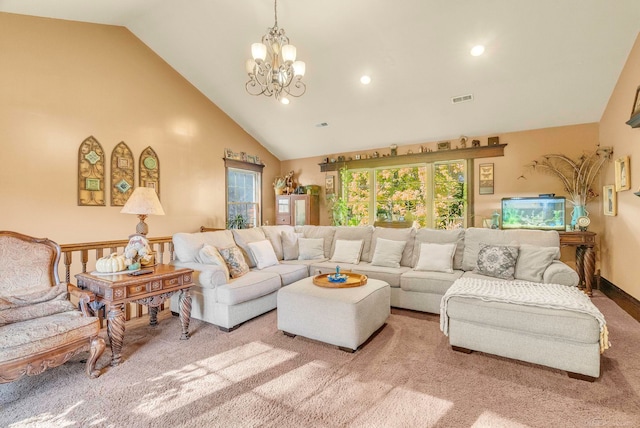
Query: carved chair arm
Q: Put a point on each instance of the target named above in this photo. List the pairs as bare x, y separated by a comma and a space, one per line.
86, 300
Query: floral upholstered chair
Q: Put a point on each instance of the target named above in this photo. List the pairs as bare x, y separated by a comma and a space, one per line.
39, 327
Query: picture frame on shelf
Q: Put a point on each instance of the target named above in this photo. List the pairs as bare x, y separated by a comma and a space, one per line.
485, 174
622, 174
444, 145
609, 200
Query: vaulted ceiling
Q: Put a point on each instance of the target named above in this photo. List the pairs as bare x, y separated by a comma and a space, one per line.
547, 63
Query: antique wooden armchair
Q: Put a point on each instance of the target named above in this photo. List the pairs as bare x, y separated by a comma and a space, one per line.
39, 327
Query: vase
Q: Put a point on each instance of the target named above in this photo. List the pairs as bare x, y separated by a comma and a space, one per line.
578, 211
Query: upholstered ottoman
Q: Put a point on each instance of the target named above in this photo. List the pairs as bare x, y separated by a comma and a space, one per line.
345, 317
549, 324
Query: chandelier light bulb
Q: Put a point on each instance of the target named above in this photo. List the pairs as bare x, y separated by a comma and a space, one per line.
289, 53
299, 68
258, 51
365, 80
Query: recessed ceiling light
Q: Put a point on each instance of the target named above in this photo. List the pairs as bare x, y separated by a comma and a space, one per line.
284, 100
365, 80
477, 50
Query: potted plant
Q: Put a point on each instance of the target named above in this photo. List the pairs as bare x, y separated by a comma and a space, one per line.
237, 222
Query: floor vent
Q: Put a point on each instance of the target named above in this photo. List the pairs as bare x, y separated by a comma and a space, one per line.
462, 99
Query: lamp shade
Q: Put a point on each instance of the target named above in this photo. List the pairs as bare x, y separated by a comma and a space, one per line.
143, 200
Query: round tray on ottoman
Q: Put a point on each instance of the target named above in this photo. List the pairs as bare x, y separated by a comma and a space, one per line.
352, 280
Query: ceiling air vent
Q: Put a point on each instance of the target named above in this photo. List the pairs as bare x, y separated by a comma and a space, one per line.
462, 99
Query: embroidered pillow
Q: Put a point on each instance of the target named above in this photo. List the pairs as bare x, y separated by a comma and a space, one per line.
533, 261
436, 257
347, 251
310, 248
209, 255
235, 261
498, 261
388, 253
263, 254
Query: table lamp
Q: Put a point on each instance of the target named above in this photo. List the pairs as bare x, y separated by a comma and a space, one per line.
143, 202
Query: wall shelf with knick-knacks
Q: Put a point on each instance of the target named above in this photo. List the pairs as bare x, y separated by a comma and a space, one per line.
433, 156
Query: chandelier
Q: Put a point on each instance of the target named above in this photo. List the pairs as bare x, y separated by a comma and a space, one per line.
273, 70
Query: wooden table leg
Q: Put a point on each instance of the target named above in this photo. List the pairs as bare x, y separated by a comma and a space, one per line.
115, 331
185, 312
580, 250
153, 315
589, 269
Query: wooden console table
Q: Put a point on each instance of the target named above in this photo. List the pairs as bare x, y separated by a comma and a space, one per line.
585, 255
115, 291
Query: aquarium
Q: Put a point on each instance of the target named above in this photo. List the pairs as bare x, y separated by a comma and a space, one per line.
533, 213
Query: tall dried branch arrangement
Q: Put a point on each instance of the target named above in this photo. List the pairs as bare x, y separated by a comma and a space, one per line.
577, 176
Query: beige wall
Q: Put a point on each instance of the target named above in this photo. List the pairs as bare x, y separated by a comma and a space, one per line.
63, 81
621, 245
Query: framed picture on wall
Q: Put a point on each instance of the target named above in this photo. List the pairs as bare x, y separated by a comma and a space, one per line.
609, 200
329, 185
485, 173
623, 178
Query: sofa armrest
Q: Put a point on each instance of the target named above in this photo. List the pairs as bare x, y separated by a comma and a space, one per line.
205, 275
559, 273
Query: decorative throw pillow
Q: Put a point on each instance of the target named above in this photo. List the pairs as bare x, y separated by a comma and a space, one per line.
263, 254
347, 251
310, 248
533, 261
209, 255
498, 261
388, 253
436, 257
235, 261
290, 245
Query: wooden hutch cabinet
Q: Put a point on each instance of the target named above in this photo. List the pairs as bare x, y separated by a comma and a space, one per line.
297, 210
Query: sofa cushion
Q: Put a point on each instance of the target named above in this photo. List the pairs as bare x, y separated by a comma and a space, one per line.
262, 252
428, 282
533, 261
436, 257
395, 234
324, 232
209, 255
347, 251
310, 248
474, 236
235, 261
440, 236
248, 287
273, 234
186, 246
354, 233
498, 261
29, 337
243, 237
36, 310
387, 274
388, 253
289, 273
24, 268
290, 245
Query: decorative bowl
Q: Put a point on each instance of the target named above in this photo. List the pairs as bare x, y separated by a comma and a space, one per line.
337, 278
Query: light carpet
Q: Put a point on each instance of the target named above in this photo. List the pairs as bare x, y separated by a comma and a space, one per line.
406, 376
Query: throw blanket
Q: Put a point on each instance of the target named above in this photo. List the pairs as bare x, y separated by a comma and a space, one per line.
554, 296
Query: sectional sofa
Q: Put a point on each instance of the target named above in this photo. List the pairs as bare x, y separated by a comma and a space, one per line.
418, 279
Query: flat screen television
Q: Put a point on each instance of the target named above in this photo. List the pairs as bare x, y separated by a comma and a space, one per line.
533, 213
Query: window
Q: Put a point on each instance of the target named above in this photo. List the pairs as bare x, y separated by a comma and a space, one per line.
432, 194
243, 196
